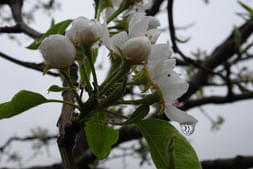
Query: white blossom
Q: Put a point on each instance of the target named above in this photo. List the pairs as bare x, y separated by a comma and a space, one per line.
137, 49
58, 51
139, 31
83, 31
171, 86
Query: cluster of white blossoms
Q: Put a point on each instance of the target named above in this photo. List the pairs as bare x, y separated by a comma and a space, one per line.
137, 45
59, 51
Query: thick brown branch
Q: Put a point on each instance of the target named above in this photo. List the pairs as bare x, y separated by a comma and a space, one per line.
30, 65
67, 131
216, 100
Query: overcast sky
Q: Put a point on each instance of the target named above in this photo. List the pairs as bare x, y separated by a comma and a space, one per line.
212, 23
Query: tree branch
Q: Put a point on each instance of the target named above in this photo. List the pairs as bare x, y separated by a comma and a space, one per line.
10, 29
155, 8
176, 49
21, 26
30, 138
34, 66
216, 100
220, 54
239, 162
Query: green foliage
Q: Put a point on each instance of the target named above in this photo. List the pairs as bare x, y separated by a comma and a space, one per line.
168, 148
138, 114
21, 102
58, 28
100, 137
116, 94
55, 88
247, 8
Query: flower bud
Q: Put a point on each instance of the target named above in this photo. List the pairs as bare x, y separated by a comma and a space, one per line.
137, 49
83, 31
58, 51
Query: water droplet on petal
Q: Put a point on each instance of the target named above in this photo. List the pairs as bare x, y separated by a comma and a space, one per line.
187, 129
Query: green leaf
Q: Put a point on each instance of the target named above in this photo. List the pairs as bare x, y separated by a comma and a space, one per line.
138, 114
55, 88
168, 148
87, 64
100, 137
21, 102
58, 28
247, 8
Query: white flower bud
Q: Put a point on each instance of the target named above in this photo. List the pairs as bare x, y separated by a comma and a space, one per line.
58, 51
137, 49
83, 31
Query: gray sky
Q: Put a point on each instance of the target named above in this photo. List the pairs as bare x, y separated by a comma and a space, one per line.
213, 23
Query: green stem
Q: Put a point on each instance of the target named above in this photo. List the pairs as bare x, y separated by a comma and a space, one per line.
86, 78
147, 100
116, 114
122, 7
109, 77
115, 123
61, 101
124, 69
69, 82
93, 71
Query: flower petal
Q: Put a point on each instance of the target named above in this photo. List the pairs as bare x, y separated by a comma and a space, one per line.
172, 86
138, 26
118, 40
105, 36
159, 53
179, 116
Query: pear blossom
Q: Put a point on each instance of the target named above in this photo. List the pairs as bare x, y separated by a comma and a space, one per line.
57, 51
137, 49
83, 31
168, 82
138, 40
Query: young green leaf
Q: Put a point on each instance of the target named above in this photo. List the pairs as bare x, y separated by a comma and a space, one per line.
246, 7
168, 148
100, 138
58, 28
138, 114
21, 102
55, 88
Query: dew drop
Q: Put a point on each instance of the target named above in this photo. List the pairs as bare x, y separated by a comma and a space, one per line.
187, 129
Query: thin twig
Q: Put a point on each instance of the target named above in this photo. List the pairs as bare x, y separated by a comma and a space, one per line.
35, 66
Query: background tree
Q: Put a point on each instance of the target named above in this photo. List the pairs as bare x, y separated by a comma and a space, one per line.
226, 67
